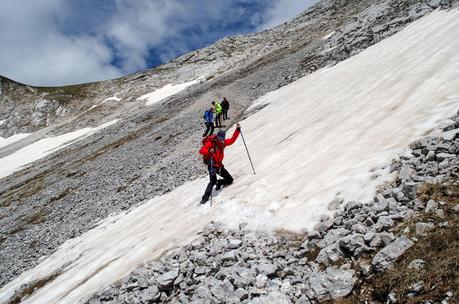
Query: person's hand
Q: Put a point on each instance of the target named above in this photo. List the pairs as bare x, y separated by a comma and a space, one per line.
211, 151
238, 127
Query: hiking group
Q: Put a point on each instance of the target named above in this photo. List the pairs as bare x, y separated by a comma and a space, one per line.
213, 146
221, 113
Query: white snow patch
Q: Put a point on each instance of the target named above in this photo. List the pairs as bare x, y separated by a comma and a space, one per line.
114, 98
327, 36
324, 134
92, 107
2, 122
166, 91
39, 149
13, 138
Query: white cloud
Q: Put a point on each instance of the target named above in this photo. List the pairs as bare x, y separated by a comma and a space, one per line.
55, 42
284, 10
35, 51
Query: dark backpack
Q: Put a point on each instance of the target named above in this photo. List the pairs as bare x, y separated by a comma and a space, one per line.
209, 138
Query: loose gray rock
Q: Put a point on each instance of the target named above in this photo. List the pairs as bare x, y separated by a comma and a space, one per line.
376, 242
389, 254
261, 281
423, 228
229, 256
417, 264
165, 281
368, 237
333, 283
352, 205
359, 228
416, 288
440, 213
387, 237
405, 173
443, 156
329, 254
241, 294
233, 244
350, 243
384, 223
149, 295
272, 297
409, 190
266, 269
365, 268
456, 208
431, 206
335, 203
380, 206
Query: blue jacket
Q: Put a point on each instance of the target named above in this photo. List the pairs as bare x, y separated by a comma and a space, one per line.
208, 116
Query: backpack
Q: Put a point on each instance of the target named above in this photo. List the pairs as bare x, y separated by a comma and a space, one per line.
209, 138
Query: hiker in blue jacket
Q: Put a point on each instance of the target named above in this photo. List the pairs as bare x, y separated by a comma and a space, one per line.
209, 121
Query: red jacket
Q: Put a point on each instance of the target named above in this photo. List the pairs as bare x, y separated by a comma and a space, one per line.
219, 147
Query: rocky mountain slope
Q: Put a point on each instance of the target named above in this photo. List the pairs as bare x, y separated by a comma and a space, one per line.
151, 150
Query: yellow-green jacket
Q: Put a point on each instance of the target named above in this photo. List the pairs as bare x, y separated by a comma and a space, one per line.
218, 108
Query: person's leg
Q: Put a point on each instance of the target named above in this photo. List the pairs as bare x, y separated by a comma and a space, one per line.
210, 185
216, 120
220, 119
224, 114
207, 129
211, 128
227, 178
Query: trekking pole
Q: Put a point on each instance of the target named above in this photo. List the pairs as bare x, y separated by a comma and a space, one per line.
248, 154
211, 157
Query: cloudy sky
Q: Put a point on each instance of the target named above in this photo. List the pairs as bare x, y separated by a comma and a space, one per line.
59, 42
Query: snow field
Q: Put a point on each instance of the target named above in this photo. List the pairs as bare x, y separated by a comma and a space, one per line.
39, 149
166, 91
12, 139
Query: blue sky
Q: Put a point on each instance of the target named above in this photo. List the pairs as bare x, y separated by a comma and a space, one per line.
59, 42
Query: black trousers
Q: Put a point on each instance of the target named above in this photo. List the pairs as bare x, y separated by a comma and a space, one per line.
209, 126
213, 171
225, 114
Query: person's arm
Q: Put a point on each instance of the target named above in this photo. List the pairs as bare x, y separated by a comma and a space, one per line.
206, 149
230, 141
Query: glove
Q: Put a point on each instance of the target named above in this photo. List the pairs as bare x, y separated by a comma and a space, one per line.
238, 127
211, 151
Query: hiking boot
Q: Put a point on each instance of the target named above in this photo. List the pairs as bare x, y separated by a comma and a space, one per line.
218, 187
203, 201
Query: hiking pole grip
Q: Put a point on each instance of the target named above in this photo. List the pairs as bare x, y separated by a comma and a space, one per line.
248, 154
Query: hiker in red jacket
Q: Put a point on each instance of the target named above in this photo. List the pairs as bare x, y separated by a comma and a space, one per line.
214, 149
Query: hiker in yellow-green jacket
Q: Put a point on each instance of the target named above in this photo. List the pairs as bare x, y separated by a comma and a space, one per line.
218, 114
